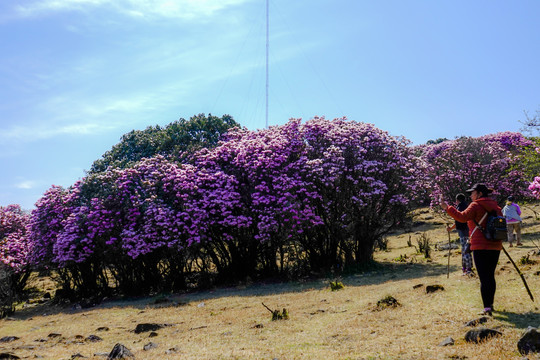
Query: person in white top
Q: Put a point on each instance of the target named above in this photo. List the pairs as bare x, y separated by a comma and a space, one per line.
512, 214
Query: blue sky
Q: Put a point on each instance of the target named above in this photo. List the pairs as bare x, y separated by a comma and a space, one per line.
78, 74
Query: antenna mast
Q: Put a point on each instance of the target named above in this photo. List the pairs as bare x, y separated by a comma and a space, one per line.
267, 51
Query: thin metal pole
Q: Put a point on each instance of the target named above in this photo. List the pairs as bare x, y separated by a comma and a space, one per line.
267, 51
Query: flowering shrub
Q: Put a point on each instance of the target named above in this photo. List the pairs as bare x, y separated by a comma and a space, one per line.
125, 224
316, 195
46, 222
14, 245
261, 199
361, 182
296, 197
14, 249
335, 187
454, 165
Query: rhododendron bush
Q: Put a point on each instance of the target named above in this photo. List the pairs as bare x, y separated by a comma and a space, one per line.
453, 166
290, 199
13, 241
295, 197
14, 249
362, 181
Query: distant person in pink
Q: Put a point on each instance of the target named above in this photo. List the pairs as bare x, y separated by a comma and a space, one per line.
512, 213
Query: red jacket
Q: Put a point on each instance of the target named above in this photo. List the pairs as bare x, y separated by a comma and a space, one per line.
474, 212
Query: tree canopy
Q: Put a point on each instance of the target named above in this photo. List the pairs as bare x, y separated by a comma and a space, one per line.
175, 141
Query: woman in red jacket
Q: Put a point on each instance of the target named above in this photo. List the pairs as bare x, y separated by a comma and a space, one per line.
485, 252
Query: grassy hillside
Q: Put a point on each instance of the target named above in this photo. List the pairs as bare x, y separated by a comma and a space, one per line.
232, 323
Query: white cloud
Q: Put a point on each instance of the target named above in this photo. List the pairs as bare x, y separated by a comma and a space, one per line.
99, 114
31, 133
26, 184
182, 9
37, 8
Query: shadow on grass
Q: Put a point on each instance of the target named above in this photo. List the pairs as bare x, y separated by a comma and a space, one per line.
532, 240
390, 271
378, 273
519, 320
419, 227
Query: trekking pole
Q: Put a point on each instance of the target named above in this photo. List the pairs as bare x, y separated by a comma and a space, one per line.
520, 274
448, 266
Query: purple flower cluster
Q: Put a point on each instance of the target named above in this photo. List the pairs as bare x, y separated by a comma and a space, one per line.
511, 141
534, 187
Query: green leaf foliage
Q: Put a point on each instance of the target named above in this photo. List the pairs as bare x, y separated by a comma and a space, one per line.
176, 141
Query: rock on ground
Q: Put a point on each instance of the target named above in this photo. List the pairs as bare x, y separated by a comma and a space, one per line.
119, 351
529, 341
481, 334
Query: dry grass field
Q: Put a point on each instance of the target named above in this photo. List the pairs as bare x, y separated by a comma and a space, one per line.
232, 323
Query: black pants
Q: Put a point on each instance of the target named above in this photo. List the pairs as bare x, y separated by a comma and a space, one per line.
486, 262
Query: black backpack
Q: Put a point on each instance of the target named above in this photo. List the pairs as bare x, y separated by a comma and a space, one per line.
495, 229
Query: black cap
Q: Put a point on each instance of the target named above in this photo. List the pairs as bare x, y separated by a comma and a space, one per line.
480, 188
510, 198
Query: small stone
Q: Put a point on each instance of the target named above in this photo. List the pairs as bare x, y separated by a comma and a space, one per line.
172, 350
93, 338
153, 334
446, 342
8, 339
433, 288
119, 351
102, 328
149, 346
147, 327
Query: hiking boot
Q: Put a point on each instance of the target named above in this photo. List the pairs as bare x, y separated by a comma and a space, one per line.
487, 311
